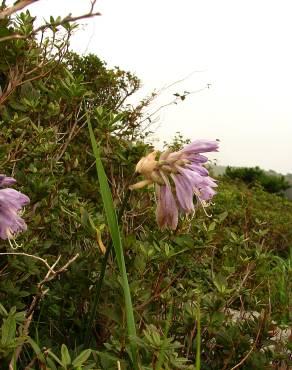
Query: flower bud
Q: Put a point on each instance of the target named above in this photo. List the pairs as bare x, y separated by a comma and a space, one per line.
147, 164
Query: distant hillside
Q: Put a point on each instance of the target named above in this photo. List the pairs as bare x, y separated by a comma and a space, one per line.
288, 193
220, 170
288, 177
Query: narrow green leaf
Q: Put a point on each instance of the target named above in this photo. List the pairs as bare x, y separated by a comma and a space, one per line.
8, 330
55, 357
65, 356
3, 311
107, 200
51, 364
81, 358
198, 340
37, 350
112, 221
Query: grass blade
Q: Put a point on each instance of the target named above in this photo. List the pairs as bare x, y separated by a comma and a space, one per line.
198, 339
113, 226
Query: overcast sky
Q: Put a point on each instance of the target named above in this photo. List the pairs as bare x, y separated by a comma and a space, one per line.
242, 48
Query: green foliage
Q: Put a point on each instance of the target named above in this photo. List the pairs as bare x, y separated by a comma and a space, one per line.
253, 176
210, 294
10, 321
177, 142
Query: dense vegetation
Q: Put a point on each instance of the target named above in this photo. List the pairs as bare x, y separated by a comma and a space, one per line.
222, 282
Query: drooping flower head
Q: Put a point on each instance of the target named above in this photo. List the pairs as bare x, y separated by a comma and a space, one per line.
179, 177
11, 202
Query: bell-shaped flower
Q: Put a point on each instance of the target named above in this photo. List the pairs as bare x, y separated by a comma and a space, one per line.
179, 178
11, 203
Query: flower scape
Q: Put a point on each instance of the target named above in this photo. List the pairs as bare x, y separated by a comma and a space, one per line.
11, 203
179, 177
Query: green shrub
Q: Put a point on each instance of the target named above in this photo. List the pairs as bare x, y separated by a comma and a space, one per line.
254, 175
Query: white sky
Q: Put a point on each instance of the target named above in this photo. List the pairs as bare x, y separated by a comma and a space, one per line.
242, 47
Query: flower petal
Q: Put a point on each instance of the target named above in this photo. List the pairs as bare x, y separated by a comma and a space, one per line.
195, 158
209, 182
13, 198
184, 192
11, 201
166, 211
194, 177
10, 223
6, 181
207, 193
198, 168
201, 146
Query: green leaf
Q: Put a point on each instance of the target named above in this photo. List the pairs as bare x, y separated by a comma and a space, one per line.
3, 311
66, 359
81, 358
8, 330
222, 216
212, 226
37, 350
51, 364
55, 357
112, 221
4, 32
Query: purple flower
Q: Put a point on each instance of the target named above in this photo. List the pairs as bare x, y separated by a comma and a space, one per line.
178, 177
166, 211
6, 181
11, 202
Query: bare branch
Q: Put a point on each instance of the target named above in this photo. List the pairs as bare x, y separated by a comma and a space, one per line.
67, 19
31, 256
50, 277
15, 8
174, 101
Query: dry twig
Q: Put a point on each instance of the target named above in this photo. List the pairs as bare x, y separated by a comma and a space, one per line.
31, 256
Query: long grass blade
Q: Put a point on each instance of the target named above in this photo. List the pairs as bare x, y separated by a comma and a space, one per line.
113, 226
198, 340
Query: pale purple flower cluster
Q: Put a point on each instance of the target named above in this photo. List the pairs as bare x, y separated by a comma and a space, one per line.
11, 202
178, 178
